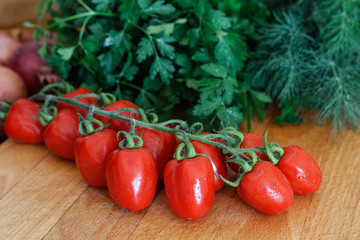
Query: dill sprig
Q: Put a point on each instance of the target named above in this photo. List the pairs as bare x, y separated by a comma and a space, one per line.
310, 59
339, 27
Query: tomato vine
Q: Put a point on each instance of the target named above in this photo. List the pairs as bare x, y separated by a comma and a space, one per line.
137, 151
229, 138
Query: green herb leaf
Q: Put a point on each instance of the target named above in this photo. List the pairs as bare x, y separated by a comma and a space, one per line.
145, 50
102, 5
164, 68
66, 53
166, 28
144, 3
230, 116
218, 20
215, 69
159, 8
230, 51
165, 49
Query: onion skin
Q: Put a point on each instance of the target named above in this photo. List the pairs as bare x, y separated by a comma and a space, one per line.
32, 68
12, 87
8, 47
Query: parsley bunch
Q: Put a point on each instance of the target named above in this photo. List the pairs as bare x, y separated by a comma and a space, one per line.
161, 54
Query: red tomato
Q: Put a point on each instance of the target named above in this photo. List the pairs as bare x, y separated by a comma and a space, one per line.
251, 140
160, 145
91, 153
86, 100
217, 160
61, 133
301, 170
118, 125
189, 186
266, 189
131, 176
20, 124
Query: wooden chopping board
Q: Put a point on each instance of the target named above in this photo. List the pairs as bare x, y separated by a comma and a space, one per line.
44, 197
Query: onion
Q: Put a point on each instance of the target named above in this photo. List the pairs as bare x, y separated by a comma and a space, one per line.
8, 47
32, 68
12, 87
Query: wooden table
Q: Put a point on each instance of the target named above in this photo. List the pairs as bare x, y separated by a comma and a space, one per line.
44, 197
13, 13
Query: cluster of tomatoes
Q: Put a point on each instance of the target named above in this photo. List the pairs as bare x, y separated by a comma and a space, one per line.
131, 173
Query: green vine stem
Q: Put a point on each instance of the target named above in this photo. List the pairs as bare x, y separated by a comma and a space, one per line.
274, 151
46, 115
229, 139
129, 141
185, 149
106, 99
4, 109
81, 15
86, 126
59, 88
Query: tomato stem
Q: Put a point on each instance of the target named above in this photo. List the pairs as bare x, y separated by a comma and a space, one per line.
86, 126
129, 141
228, 139
106, 99
185, 150
272, 149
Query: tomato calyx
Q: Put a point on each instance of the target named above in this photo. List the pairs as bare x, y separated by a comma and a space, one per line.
105, 99
86, 125
231, 137
46, 115
185, 150
273, 150
147, 117
130, 141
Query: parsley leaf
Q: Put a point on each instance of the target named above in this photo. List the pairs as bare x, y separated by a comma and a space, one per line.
159, 8
218, 20
230, 51
164, 68
215, 69
145, 50
165, 49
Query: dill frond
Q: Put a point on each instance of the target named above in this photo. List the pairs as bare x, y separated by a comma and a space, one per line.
286, 67
335, 90
339, 26
307, 67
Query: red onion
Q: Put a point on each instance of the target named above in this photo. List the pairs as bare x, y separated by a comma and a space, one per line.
32, 68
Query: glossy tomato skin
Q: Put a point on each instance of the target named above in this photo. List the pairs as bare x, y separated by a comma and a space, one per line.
160, 145
91, 153
251, 140
131, 176
118, 125
20, 124
217, 160
86, 100
216, 157
301, 170
266, 189
61, 133
189, 186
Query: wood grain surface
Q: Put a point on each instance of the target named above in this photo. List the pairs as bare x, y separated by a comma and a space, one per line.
44, 197
13, 13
